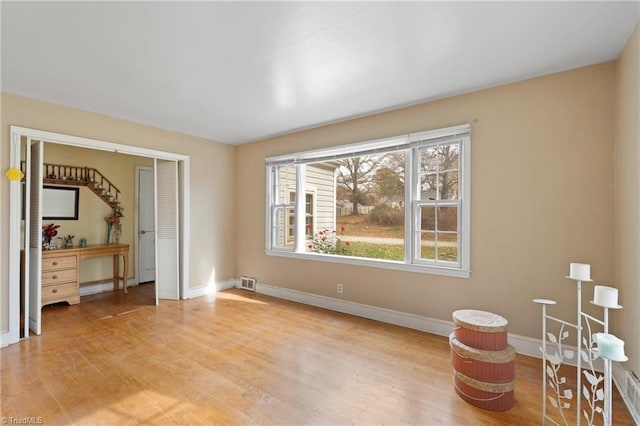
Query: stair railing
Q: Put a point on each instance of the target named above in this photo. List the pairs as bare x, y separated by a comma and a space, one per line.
60, 174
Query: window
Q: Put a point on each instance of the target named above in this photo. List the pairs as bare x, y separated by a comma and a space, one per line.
438, 202
401, 202
308, 208
284, 179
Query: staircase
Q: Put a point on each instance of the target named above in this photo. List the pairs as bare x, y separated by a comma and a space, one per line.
59, 174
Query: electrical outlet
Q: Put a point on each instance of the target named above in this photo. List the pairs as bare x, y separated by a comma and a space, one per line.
339, 288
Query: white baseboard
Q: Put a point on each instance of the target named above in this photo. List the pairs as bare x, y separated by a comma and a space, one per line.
206, 289
103, 287
6, 339
107, 285
417, 322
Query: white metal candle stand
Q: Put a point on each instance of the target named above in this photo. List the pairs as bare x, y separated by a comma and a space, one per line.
549, 372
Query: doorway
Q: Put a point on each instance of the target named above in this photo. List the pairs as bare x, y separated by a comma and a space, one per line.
16, 236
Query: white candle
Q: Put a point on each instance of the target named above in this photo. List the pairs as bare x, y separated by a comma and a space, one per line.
605, 296
580, 271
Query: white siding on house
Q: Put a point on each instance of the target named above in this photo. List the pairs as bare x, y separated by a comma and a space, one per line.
321, 182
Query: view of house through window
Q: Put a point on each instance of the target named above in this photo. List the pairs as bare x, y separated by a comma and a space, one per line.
400, 205
365, 215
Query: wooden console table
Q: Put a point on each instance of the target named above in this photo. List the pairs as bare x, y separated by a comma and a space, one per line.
115, 250
60, 270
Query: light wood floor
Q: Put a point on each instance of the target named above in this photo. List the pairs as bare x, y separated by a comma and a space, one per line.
241, 358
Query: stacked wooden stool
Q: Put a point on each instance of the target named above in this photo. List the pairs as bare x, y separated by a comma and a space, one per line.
482, 359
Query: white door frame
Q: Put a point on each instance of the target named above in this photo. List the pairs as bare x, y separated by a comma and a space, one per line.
15, 207
15, 217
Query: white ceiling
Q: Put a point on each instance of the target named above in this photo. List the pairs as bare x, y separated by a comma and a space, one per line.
237, 71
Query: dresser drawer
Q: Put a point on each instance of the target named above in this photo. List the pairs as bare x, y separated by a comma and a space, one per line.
55, 263
58, 277
60, 291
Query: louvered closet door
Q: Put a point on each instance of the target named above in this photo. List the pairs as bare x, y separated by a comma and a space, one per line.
34, 194
167, 221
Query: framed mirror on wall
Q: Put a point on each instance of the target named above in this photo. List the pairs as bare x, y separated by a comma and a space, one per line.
60, 203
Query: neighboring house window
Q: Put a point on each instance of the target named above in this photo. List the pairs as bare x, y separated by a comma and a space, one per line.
291, 219
308, 203
308, 217
400, 202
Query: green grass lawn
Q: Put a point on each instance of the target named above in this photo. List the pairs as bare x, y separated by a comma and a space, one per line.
356, 226
396, 252
376, 251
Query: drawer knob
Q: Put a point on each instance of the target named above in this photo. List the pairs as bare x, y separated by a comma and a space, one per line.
55, 290
55, 263
55, 277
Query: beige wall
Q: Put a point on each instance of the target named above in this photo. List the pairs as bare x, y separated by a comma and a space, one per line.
120, 170
212, 187
542, 197
627, 162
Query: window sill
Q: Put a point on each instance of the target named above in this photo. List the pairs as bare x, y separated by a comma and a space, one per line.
373, 263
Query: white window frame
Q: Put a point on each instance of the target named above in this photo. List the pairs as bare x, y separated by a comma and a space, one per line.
410, 144
312, 214
272, 226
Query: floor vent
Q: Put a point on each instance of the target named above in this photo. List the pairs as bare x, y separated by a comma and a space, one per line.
247, 283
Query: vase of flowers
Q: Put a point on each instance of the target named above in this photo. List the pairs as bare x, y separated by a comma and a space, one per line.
49, 231
114, 226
